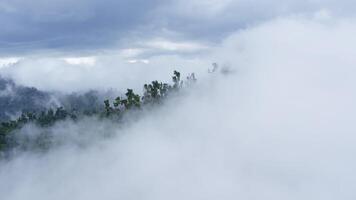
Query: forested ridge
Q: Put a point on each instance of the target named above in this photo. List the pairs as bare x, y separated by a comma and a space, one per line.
75, 108
15, 98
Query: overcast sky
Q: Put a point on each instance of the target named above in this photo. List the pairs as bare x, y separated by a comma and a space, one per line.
87, 26
140, 39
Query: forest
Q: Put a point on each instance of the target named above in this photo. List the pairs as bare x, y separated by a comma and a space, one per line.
30, 104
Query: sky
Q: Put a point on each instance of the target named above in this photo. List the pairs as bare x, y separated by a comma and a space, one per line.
280, 125
88, 26
92, 39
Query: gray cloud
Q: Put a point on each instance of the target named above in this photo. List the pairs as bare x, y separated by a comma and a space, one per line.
81, 26
68, 24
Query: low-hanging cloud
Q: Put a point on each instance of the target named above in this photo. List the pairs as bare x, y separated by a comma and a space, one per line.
109, 72
279, 127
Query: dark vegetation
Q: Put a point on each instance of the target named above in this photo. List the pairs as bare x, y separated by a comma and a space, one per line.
14, 99
77, 107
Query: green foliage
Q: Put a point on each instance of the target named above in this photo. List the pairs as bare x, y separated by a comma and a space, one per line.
133, 100
154, 93
108, 109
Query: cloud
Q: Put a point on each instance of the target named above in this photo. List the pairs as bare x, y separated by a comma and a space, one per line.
8, 61
80, 60
68, 25
157, 58
87, 26
280, 127
109, 71
174, 46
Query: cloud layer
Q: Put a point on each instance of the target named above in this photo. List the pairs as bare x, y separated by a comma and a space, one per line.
90, 25
279, 127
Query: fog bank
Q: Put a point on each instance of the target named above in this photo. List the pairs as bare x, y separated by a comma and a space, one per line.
280, 126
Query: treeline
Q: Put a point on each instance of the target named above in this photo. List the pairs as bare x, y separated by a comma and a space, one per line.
154, 93
15, 98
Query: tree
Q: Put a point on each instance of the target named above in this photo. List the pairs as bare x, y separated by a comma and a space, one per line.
132, 100
154, 93
176, 80
60, 114
108, 108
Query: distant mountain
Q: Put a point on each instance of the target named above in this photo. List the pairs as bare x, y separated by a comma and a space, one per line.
14, 99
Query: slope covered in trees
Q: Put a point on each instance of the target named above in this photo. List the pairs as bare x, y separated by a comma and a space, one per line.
15, 99
154, 93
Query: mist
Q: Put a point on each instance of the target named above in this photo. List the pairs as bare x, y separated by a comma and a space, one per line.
279, 125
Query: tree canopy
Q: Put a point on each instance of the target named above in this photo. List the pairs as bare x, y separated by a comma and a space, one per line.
154, 93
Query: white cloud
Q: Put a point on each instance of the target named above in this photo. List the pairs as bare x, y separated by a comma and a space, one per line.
323, 15
5, 62
281, 127
109, 71
167, 45
132, 52
81, 60
144, 61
